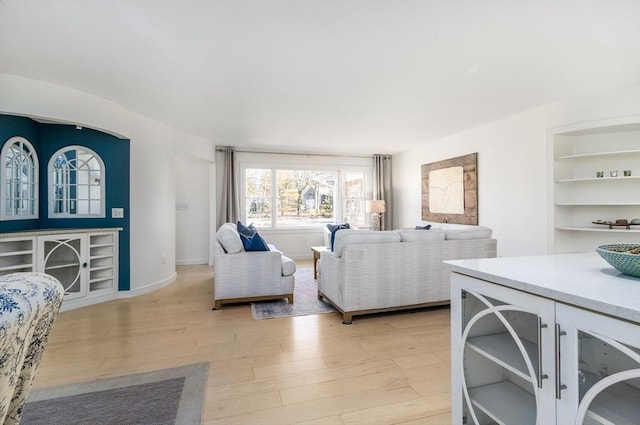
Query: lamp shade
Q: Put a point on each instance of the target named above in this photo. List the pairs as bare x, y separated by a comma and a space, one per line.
375, 206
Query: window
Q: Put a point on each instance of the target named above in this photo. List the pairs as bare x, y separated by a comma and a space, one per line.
77, 183
19, 180
285, 198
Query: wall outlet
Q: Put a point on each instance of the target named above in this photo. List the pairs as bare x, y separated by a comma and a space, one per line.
117, 212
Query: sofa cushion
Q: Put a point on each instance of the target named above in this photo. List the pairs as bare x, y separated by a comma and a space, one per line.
229, 238
421, 235
250, 238
333, 228
474, 232
352, 236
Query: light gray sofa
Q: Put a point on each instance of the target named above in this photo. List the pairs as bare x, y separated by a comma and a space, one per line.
372, 271
242, 276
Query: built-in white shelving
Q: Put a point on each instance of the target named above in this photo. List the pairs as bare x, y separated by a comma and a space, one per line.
594, 175
85, 261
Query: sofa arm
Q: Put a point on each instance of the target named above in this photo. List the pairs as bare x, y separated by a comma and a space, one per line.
329, 276
235, 274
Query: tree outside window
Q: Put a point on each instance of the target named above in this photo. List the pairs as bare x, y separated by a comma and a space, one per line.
286, 198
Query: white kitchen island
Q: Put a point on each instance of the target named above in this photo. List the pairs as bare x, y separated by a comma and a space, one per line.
544, 340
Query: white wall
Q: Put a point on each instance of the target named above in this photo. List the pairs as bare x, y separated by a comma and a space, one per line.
192, 210
153, 148
512, 167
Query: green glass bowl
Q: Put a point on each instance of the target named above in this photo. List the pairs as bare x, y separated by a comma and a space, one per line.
616, 255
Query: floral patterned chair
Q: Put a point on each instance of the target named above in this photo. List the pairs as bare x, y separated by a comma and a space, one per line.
29, 303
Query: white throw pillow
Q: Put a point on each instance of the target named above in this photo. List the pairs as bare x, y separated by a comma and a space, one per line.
229, 238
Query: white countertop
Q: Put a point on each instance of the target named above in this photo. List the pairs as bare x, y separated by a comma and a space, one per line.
40, 232
582, 280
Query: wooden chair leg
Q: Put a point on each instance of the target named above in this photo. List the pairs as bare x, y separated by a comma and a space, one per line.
347, 319
290, 298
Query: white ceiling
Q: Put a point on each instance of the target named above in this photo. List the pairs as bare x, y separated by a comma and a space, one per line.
341, 76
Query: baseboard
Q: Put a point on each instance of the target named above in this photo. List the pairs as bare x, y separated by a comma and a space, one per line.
193, 262
148, 288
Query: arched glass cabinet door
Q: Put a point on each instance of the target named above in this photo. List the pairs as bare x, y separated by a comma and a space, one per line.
77, 183
501, 347
600, 368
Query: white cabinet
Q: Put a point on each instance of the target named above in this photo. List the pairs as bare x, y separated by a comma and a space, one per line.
85, 261
519, 358
595, 176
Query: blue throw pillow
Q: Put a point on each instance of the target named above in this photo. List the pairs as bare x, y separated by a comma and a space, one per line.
427, 227
333, 228
250, 238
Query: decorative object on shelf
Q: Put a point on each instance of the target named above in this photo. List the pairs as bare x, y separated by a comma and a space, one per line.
635, 221
623, 257
599, 174
618, 223
376, 208
613, 173
627, 173
450, 190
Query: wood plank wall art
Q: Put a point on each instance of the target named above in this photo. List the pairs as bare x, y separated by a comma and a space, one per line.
450, 190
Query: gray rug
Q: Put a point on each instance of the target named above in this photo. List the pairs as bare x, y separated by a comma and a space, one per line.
305, 300
164, 397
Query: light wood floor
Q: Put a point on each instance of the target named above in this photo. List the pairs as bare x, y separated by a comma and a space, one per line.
384, 369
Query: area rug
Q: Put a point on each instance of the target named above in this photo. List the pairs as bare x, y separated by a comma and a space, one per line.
165, 397
305, 300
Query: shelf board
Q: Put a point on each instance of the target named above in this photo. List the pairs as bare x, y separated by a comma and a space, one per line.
600, 154
502, 349
100, 245
98, 268
505, 403
589, 179
617, 404
16, 267
12, 253
61, 266
98, 257
605, 229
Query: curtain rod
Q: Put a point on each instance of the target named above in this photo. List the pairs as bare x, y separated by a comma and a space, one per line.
299, 153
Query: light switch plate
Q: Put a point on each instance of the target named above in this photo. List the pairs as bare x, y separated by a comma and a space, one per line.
117, 212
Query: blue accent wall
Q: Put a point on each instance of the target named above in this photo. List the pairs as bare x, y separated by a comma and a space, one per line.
115, 153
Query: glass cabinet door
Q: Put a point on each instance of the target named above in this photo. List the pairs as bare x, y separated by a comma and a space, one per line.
504, 364
600, 361
63, 258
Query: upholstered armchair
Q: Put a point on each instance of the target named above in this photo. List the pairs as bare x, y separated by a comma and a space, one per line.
243, 276
29, 303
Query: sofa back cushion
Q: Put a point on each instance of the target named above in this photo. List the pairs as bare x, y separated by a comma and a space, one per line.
333, 228
474, 232
229, 238
352, 236
421, 235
